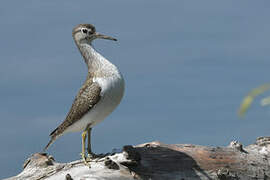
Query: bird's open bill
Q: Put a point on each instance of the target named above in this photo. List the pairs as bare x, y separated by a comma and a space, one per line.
102, 36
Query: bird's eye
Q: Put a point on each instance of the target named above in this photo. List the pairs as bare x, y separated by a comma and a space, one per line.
84, 31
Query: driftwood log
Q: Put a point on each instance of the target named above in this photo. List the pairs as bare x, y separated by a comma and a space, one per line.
158, 161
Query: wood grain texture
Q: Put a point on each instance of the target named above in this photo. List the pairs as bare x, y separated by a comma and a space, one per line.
158, 161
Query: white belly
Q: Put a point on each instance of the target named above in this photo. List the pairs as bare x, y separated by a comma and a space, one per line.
112, 90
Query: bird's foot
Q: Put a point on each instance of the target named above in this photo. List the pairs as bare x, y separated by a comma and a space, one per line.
95, 157
85, 160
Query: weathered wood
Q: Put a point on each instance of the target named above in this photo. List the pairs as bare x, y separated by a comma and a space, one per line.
158, 161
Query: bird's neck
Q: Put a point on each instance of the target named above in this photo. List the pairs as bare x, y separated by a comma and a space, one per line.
97, 64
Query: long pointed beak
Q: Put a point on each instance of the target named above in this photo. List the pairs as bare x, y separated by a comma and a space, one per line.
102, 36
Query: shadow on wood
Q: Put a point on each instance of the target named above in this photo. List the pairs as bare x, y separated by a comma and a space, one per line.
158, 161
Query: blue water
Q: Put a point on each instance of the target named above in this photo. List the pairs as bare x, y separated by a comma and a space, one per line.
187, 66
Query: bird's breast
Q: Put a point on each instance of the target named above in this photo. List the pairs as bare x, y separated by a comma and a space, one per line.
112, 91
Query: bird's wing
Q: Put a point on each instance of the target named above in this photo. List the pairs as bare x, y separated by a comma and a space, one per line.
87, 98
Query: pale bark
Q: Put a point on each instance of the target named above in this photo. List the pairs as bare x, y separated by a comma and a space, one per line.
158, 161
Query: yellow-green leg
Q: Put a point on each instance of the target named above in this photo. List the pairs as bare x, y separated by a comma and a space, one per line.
83, 148
89, 148
90, 154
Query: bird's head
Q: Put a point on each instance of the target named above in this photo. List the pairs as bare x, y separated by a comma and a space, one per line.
86, 33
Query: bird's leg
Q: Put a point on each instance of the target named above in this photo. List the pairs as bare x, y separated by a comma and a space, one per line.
90, 154
83, 148
89, 149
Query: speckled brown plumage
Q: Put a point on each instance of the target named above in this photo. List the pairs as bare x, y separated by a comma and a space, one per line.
87, 97
104, 79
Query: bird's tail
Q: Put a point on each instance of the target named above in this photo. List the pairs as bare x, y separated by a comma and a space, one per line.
50, 142
53, 136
